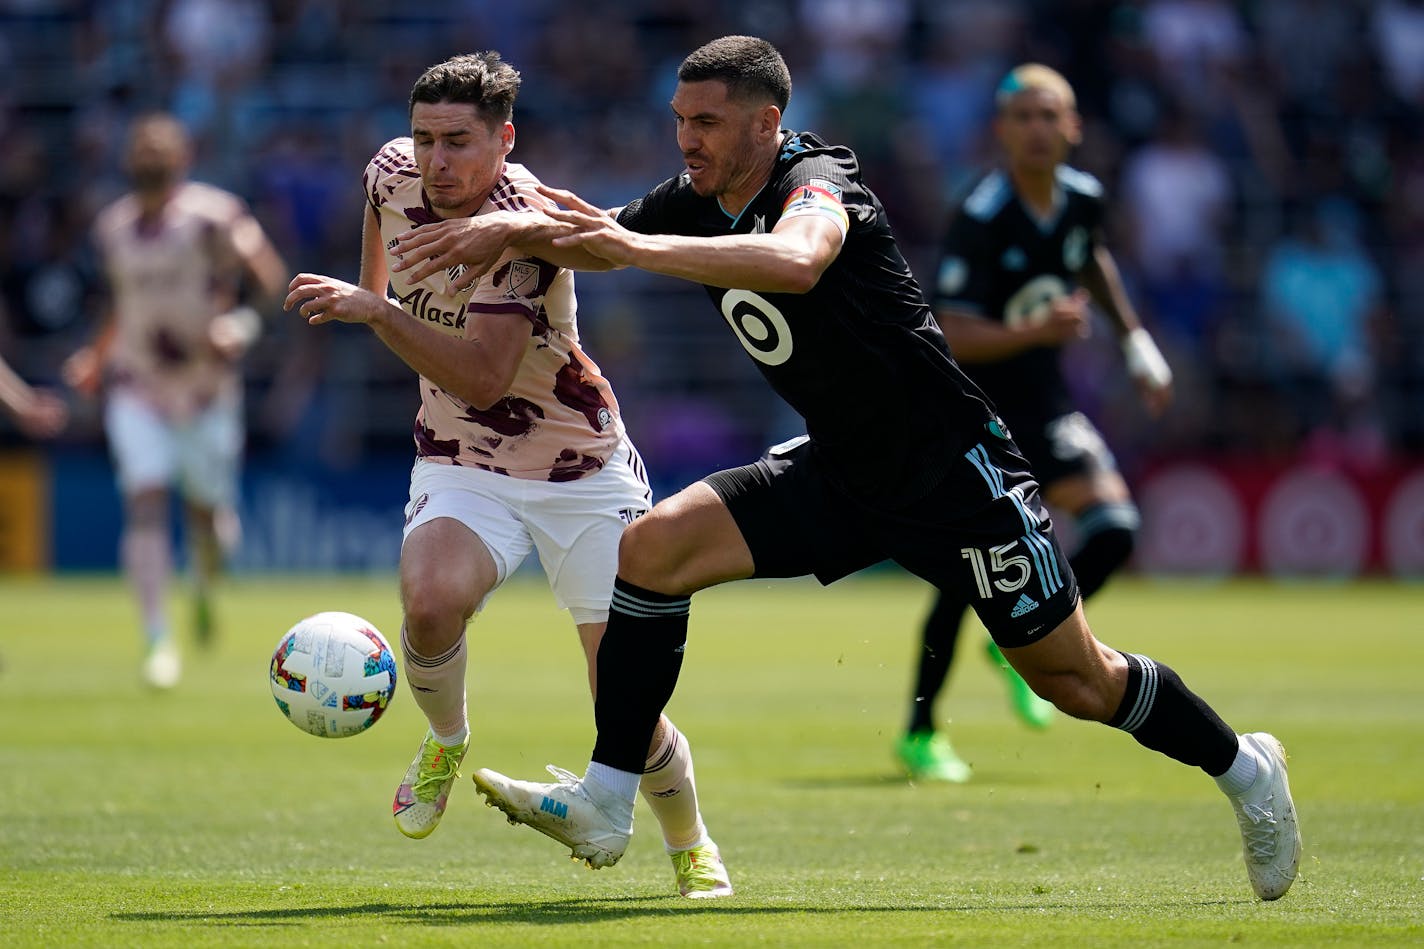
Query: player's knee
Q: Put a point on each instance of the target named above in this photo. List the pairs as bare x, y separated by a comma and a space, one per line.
648, 551
435, 612
1109, 534
146, 509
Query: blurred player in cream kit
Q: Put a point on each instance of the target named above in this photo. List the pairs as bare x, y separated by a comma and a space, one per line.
1022, 259
176, 256
519, 442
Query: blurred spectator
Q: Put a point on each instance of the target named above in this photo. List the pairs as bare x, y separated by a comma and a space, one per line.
1178, 194
1397, 28
1319, 294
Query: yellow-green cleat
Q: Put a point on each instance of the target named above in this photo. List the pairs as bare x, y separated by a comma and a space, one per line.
1031, 710
420, 800
928, 756
701, 874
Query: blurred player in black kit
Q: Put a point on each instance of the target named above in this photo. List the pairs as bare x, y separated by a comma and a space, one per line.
1022, 259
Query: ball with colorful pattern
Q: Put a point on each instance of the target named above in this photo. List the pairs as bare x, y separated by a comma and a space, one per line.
333, 675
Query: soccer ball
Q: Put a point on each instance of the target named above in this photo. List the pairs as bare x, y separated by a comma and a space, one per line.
333, 675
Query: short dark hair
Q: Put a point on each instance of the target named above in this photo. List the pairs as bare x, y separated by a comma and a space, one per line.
751, 68
482, 80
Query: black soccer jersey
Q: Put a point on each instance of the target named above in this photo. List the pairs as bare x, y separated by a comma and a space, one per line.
1003, 263
860, 356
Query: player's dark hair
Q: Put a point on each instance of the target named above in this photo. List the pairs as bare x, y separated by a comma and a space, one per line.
750, 67
482, 80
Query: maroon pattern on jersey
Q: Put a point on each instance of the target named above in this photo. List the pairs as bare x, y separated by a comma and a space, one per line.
428, 446
168, 349
571, 388
511, 417
571, 466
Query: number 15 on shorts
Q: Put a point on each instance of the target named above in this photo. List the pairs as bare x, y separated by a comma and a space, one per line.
999, 570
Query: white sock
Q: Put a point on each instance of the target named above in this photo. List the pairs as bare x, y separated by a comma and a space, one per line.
450, 741
1242, 773
670, 789
622, 785
438, 686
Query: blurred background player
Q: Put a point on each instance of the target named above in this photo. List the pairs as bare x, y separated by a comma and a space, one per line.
519, 441
177, 257
38, 413
1022, 259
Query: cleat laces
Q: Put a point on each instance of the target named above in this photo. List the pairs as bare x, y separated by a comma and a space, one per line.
1260, 833
437, 765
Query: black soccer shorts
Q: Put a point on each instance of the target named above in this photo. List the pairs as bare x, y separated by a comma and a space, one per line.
982, 535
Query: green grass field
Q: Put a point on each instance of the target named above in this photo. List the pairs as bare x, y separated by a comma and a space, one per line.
201, 818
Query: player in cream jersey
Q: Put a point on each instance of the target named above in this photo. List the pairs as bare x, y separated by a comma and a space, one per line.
519, 445
559, 420
174, 256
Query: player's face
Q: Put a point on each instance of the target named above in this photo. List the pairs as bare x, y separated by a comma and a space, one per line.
460, 155
1037, 130
157, 156
723, 141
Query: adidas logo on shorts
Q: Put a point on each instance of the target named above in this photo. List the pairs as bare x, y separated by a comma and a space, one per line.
1026, 604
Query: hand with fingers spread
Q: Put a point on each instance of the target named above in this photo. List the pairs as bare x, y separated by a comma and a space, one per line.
322, 299
475, 244
592, 228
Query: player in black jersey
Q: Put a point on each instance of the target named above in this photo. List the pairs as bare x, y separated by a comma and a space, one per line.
1021, 258
905, 457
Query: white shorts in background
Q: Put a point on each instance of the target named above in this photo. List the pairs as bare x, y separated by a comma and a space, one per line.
574, 525
200, 455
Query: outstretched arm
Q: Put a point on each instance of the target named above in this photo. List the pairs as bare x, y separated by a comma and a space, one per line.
789, 259
39, 414
479, 242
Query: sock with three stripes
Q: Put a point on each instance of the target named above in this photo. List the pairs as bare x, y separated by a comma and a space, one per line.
1161, 713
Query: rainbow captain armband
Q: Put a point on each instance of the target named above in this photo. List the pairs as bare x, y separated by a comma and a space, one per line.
819, 197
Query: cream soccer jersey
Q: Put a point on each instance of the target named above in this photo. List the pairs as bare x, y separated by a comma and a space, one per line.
559, 421
168, 278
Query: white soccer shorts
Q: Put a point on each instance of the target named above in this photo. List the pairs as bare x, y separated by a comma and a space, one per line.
200, 455
574, 525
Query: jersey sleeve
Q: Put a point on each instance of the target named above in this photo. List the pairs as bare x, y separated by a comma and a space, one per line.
390, 160
965, 265
827, 186
649, 214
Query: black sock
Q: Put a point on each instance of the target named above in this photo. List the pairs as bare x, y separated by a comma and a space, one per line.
940, 634
1164, 715
1109, 532
638, 663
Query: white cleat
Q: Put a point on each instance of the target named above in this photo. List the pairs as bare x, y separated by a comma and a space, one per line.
566, 811
161, 667
1269, 835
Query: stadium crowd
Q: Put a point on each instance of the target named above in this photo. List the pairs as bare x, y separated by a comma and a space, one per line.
1264, 162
